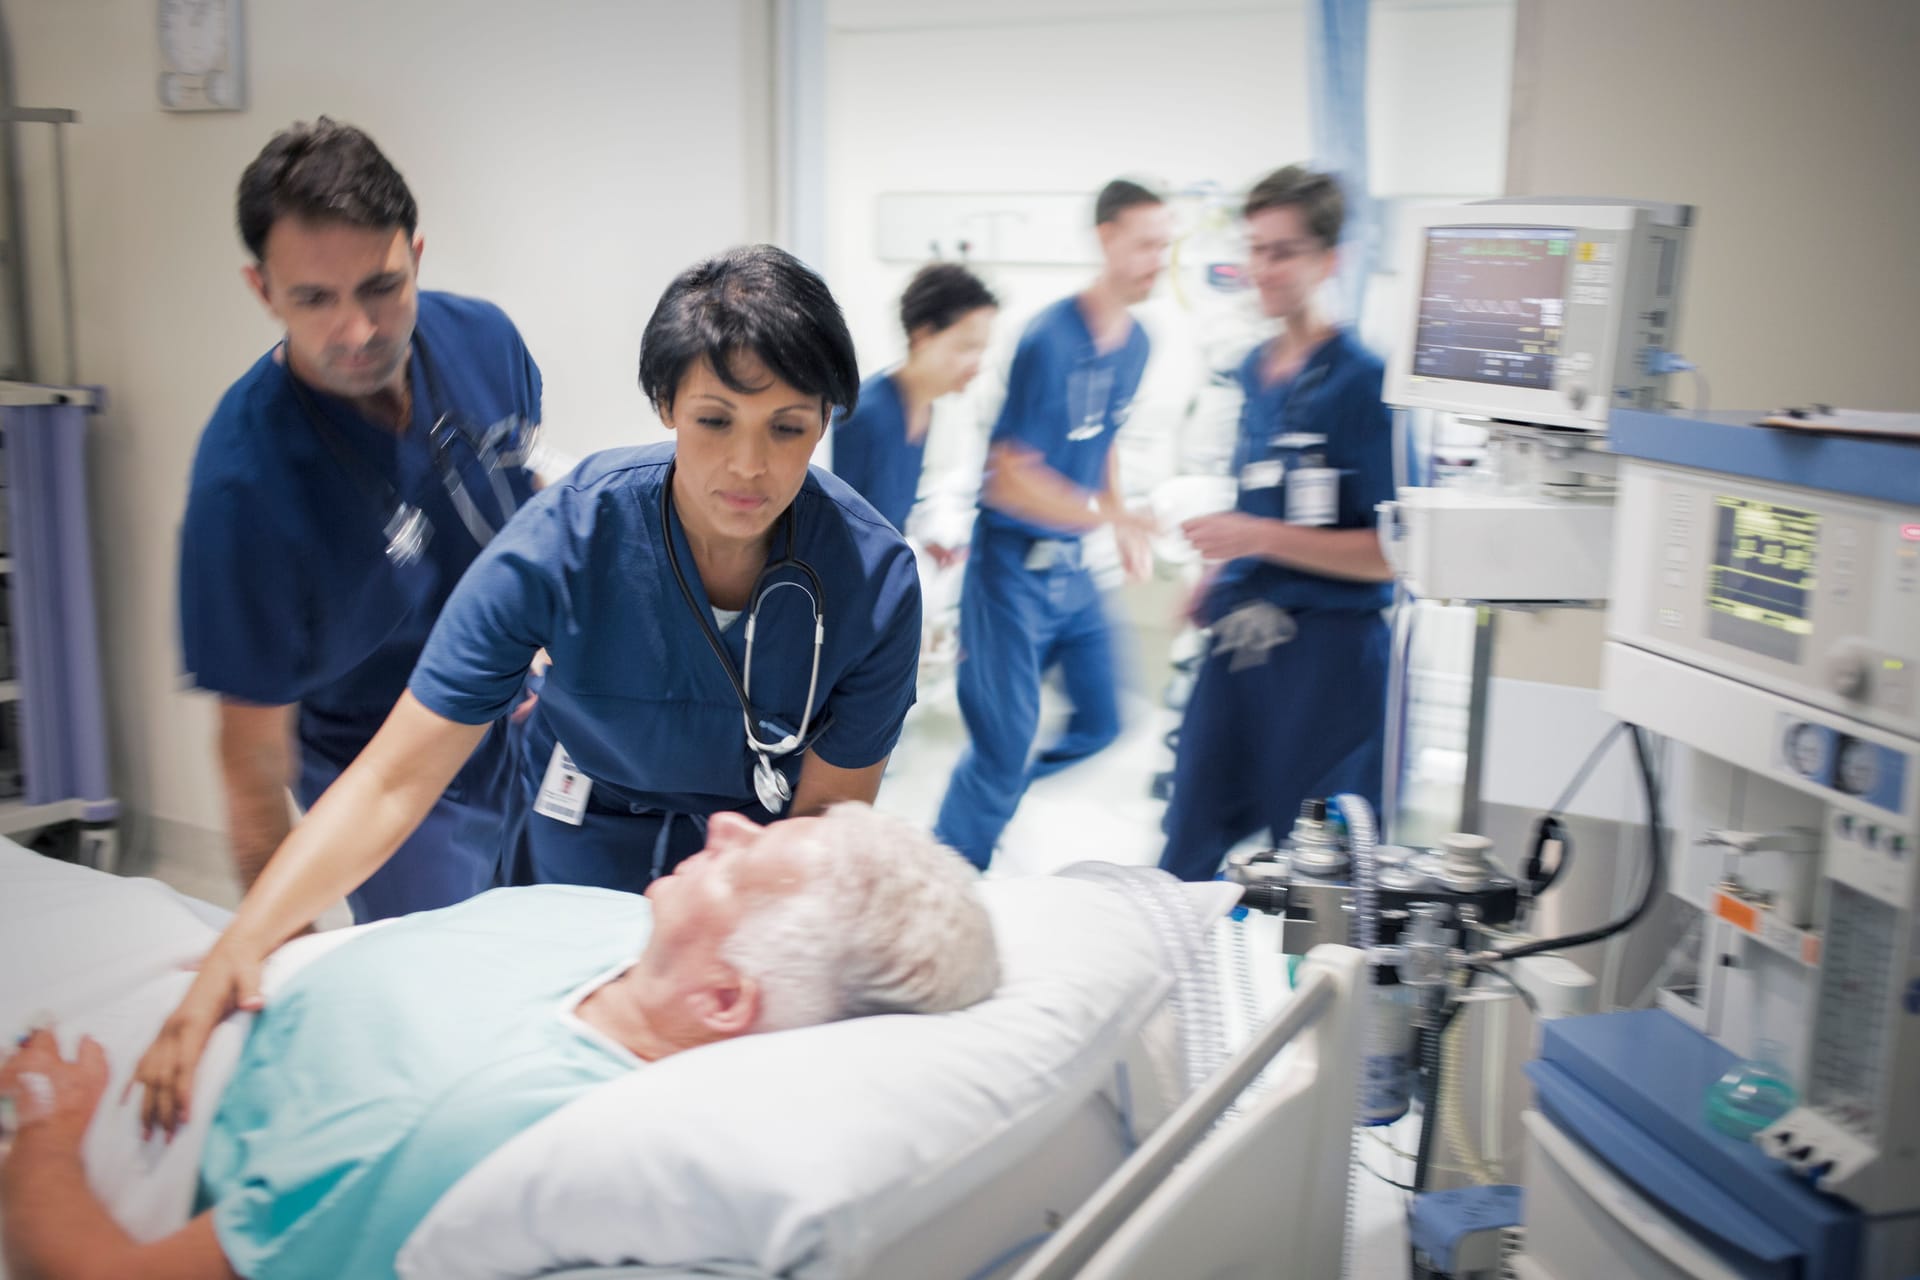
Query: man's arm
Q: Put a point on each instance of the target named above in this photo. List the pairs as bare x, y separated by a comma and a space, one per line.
348, 835
1022, 485
55, 1228
257, 763
1352, 554
1131, 530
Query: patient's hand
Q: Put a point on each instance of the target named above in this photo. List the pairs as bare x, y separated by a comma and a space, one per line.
51, 1096
225, 982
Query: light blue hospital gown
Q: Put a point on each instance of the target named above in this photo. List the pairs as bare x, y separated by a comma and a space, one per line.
387, 1069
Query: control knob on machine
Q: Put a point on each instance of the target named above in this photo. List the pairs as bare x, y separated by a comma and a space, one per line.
1850, 670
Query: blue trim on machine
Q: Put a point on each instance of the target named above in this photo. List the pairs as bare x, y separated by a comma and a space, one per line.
1632, 1087
1730, 443
1742, 1239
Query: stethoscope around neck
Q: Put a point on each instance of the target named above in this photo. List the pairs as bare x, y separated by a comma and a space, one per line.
769, 784
407, 528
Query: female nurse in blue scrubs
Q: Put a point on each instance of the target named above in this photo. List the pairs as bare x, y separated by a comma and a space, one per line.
1291, 702
948, 316
730, 629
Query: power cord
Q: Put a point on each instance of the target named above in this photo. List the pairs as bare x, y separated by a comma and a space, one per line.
1526, 997
1550, 833
1658, 360
1656, 872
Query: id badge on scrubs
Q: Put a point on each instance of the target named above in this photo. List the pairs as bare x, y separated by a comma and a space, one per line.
564, 791
1313, 495
1262, 475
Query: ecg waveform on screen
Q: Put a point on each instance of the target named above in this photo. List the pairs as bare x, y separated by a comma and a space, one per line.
1492, 309
1763, 564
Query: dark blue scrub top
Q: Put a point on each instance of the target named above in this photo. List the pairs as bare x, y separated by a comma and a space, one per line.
286, 593
1335, 394
635, 693
871, 451
1066, 401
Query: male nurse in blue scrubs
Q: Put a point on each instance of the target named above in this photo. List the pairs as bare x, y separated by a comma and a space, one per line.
1028, 602
878, 448
342, 487
1291, 701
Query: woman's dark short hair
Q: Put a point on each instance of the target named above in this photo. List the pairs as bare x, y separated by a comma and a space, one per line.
940, 295
1317, 196
1119, 196
324, 172
756, 299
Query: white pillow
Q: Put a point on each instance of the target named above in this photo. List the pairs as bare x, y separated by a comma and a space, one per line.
805, 1152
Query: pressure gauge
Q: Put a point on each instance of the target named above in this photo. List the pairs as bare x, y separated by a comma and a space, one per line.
1859, 771
1807, 751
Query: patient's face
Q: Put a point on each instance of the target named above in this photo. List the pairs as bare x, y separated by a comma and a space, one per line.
697, 908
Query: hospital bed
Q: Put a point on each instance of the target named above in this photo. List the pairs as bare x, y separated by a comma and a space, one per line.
958, 1155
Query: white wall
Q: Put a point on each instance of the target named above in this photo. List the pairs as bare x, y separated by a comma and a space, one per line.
568, 158
1791, 126
1061, 95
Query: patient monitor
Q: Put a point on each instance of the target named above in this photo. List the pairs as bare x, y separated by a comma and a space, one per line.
1540, 311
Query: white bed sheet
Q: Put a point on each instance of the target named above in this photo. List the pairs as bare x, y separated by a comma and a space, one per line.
110, 957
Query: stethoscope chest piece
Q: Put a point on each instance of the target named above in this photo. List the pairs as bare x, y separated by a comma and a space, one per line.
408, 532
770, 785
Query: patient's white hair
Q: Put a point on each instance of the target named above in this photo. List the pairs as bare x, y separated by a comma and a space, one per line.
888, 922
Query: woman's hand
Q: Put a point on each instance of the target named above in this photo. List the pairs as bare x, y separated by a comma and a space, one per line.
50, 1095
227, 981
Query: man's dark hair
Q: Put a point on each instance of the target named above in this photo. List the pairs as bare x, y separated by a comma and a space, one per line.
756, 299
1119, 196
324, 172
940, 295
1316, 195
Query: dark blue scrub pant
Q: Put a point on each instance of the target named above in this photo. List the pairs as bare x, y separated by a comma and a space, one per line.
1306, 721
1016, 624
450, 857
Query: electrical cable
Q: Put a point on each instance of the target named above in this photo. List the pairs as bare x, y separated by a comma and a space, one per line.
1550, 831
1580, 777
1656, 872
1379, 1138
1397, 1186
1526, 997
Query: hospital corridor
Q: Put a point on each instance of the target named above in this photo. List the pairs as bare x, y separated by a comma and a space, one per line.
959, 640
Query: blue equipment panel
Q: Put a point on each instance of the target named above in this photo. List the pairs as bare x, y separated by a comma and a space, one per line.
1877, 469
1632, 1088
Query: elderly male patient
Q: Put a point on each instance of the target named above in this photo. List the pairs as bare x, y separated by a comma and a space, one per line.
388, 1067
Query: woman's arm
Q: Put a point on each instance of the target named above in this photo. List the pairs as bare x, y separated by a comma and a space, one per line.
356, 826
823, 785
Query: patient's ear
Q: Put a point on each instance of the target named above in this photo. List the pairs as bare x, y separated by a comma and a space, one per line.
729, 1004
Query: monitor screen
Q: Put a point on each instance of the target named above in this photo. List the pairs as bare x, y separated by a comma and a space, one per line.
1492, 304
1761, 581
